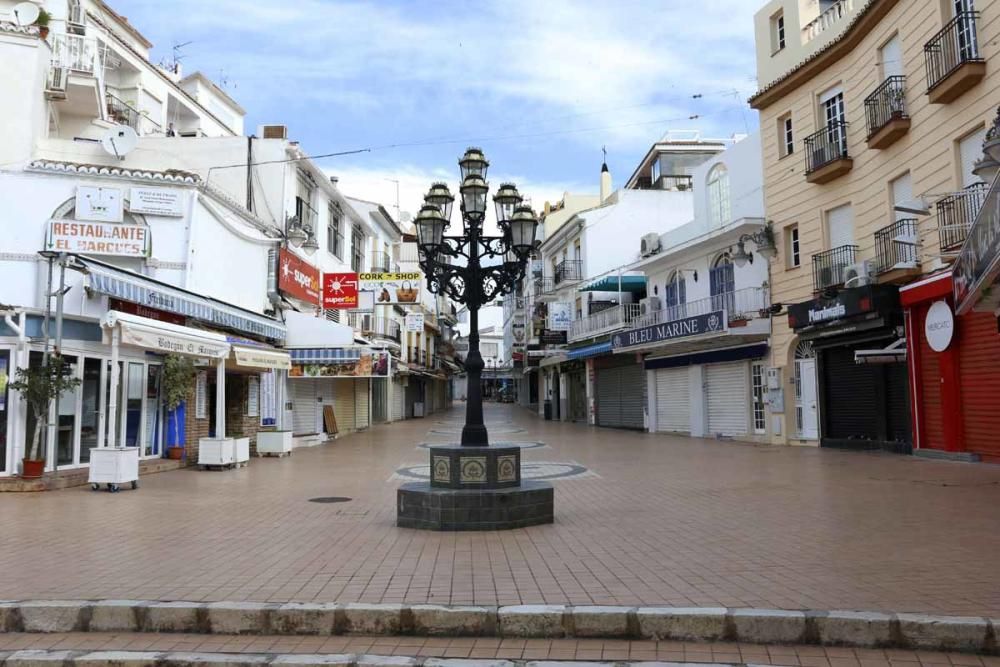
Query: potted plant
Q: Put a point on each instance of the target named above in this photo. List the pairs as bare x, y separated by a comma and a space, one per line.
43, 23
39, 386
178, 374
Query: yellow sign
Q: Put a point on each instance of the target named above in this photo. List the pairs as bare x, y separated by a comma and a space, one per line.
392, 287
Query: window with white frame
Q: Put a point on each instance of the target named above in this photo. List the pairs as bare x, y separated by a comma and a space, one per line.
777, 32
718, 195
335, 231
792, 251
757, 386
786, 137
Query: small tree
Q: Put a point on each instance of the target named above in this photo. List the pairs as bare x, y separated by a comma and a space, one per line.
39, 386
178, 372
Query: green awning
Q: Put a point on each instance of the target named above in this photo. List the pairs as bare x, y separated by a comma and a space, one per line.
610, 284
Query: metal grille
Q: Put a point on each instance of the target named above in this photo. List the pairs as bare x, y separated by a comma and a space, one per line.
955, 45
887, 103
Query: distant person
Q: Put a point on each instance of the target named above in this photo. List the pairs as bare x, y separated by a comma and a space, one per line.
170, 130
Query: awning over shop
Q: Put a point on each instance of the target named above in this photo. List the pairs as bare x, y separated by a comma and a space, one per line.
610, 284
314, 332
261, 358
325, 355
589, 350
122, 284
554, 360
165, 337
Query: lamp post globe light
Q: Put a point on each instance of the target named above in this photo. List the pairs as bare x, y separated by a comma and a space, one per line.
474, 485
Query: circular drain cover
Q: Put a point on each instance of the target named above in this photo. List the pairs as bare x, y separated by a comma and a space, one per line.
330, 499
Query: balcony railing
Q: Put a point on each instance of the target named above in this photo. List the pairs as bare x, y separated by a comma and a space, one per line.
418, 357
827, 20
543, 284
956, 213
896, 246
741, 304
382, 262
829, 267
123, 113
76, 53
373, 325
569, 270
605, 321
955, 45
826, 146
675, 182
886, 104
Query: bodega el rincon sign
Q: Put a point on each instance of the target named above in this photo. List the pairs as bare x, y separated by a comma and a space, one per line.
713, 322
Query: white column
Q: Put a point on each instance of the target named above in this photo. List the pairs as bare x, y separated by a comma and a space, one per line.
112, 439
220, 399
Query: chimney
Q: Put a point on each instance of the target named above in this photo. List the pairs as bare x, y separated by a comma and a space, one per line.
605, 182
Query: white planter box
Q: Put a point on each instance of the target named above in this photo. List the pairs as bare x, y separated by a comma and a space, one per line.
276, 443
241, 450
216, 452
114, 466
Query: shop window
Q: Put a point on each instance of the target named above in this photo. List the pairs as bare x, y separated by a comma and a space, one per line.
757, 386
65, 435
5, 373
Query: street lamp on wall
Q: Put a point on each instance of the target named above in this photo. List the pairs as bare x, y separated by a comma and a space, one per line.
763, 239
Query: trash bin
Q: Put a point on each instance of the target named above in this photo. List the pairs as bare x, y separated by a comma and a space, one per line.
548, 410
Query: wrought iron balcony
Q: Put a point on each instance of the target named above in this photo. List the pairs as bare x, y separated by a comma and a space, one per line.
569, 270
76, 53
896, 246
741, 304
382, 262
372, 325
956, 213
826, 153
953, 60
606, 321
885, 112
119, 111
829, 267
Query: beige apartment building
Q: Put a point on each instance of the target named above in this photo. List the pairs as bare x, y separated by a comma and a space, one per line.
873, 115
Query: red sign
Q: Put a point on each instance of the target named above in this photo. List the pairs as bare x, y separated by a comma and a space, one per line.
145, 311
340, 290
298, 278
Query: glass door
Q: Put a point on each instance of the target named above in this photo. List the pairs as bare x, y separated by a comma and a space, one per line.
5, 372
91, 418
153, 412
65, 436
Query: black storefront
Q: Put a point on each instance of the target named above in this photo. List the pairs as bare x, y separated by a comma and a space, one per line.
862, 405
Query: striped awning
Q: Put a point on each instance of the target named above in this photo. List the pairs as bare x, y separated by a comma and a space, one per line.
589, 350
325, 355
129, 286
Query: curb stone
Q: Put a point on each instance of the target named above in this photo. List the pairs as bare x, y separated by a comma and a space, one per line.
858, 629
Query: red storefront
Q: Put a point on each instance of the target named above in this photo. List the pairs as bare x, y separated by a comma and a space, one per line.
954, 364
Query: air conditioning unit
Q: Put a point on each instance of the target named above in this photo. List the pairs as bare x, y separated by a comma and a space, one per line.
857, 275
57, 79
274, 131
650, 304
75, 16
650, 244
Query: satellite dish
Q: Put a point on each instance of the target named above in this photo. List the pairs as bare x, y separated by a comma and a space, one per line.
119, 141
25, 13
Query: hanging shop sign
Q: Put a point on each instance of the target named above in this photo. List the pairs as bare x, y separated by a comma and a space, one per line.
392, 287
298, 278
550, 337
461, 345
866, 300
713, 322
939, 327
369, 364
98, 204
414, 322
98, 238
340, 291
366, 302
167, 341
145, 311
978, 264
163, 202
560, 316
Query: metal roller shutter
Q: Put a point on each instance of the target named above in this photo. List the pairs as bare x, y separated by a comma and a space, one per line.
728, 394
361, 404
398, 401
673, 403
343, 404
851, 404
932, 412
609, 409
979, 359
303, 407
621, 396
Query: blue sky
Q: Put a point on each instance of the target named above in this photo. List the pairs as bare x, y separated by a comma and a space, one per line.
541, 85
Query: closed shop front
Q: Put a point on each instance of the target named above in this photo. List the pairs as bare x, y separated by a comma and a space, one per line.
727, 393
308, 398
673, 402
362, 403
398, 400
620, 390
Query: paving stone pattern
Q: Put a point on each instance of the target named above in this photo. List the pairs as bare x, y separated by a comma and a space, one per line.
666, 521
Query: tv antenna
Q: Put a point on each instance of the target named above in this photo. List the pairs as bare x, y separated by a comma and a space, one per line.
25, 13
173, 65
119, 141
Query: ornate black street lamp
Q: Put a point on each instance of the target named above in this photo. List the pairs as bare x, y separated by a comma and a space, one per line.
474, 269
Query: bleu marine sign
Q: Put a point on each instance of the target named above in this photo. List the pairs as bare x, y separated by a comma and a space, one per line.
714, 322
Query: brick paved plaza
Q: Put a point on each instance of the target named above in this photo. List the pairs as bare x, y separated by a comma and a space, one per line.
654, 520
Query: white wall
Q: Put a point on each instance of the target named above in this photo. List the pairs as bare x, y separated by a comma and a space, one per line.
745, 167
23, 68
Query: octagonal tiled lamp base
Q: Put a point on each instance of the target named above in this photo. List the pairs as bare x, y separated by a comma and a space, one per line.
474, 488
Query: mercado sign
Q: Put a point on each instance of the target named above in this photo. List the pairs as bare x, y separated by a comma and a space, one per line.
298, 278
978, 264
392, 287
98, 238
713, 322
368, 364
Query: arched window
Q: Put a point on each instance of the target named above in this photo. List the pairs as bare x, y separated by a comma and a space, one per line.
719, 210
674, 295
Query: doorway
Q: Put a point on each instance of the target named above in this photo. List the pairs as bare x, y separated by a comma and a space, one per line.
806, 415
